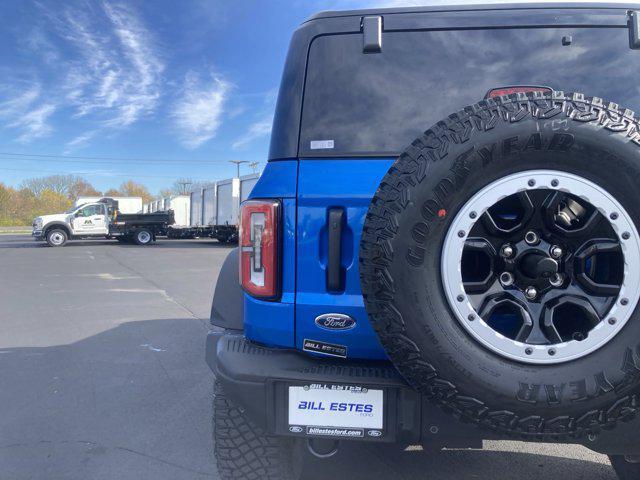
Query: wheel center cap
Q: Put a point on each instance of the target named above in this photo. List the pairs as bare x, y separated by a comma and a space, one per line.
537, 265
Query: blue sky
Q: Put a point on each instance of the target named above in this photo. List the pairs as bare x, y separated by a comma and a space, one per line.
185, 82
190, 84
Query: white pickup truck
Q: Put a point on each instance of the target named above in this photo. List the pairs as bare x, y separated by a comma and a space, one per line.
89, 220
101, 219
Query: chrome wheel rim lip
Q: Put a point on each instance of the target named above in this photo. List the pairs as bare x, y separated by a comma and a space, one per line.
144, 237
552, 180
57, 238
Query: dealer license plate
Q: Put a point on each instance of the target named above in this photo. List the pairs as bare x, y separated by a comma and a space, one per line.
336, 410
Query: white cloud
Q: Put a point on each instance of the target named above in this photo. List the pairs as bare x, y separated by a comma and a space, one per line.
256, 130
198, 113
80, 141
116, 74
28, 114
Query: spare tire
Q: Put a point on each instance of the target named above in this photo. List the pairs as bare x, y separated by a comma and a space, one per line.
500, 264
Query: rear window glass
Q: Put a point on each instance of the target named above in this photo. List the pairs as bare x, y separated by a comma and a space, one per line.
377, 104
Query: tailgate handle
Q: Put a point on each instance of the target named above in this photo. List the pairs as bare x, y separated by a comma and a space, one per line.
371, 34
634, 30
334, 267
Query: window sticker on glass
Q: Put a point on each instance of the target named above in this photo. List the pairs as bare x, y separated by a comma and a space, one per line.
321, 144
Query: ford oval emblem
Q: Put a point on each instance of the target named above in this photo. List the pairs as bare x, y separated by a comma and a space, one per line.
295, 429
335, 321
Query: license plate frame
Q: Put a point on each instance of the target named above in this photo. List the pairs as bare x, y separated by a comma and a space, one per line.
336, 411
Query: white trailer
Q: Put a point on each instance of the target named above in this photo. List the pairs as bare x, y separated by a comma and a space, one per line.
209, 202
215, 209
180, 204
195, 206
246, 185
212, 211
125, 204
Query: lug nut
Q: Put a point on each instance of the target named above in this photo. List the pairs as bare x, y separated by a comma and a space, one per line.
556, 280
532, 238
506, 251
556, 251
531, 293
506, 279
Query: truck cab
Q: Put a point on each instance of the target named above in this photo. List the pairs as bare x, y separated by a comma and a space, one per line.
83, 221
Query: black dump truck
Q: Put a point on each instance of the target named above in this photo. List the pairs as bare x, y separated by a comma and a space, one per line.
140, 228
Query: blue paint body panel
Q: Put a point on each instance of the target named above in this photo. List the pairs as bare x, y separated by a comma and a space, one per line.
278, 180
324, 184
273, 323
320, 184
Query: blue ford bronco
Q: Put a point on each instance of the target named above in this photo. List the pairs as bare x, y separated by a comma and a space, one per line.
443, 247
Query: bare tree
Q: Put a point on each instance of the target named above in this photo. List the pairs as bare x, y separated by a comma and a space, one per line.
54, 183
81, 188
182, 186
70, 186
133, 189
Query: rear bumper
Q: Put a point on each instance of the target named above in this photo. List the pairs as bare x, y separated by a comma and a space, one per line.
258, 378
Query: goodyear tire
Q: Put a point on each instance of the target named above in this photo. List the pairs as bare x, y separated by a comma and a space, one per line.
408, 231
56, 237
243, 451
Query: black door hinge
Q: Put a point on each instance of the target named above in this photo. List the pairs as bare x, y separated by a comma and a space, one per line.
634, 29
371, 34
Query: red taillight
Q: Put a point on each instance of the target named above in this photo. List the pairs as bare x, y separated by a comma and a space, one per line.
498, 92
259, 247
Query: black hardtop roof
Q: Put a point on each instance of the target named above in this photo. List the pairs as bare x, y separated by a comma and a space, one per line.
464, 16
466, 7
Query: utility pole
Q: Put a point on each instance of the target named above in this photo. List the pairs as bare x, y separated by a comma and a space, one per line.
183, 186
237, 163
254, 166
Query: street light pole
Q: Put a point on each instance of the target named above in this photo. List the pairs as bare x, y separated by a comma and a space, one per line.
237, 163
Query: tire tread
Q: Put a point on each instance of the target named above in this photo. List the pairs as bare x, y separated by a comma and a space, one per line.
376, 256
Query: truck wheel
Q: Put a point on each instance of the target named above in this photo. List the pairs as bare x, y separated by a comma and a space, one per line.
57, 237
143, 236
243, 451
627, 468
500, 265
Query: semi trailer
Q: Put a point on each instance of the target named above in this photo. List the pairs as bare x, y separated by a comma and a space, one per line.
215, 209
209, 212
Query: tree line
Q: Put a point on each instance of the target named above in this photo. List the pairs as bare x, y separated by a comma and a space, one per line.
55, 194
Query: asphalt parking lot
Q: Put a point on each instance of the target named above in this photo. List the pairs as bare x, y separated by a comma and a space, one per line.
102, 375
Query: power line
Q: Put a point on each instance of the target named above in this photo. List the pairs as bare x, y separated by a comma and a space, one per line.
237, 164
100, 174
114, 159
116, 162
